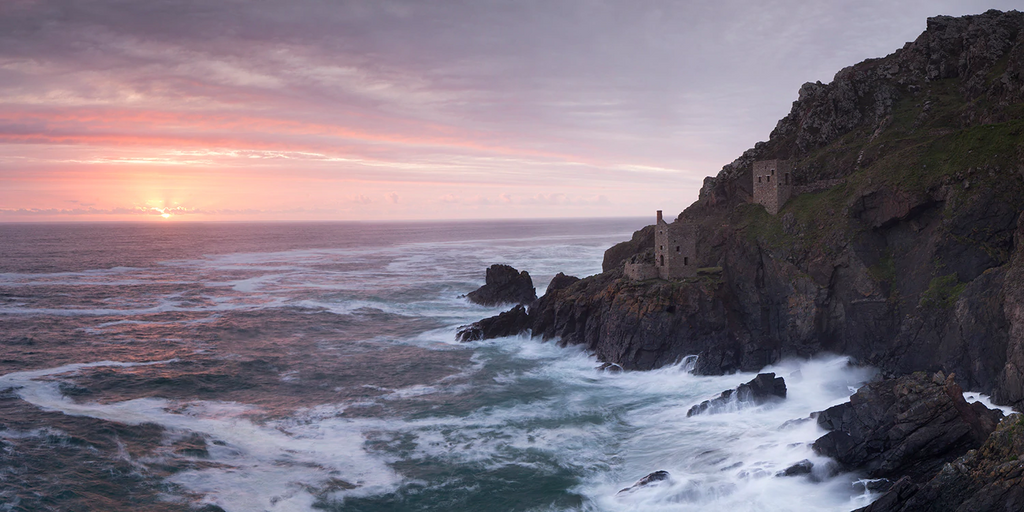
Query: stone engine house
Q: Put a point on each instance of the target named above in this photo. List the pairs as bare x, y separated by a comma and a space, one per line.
675, 253
773, 184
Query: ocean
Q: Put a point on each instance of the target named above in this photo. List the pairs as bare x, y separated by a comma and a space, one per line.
313, 366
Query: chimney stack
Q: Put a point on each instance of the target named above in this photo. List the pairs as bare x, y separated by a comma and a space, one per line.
659, 216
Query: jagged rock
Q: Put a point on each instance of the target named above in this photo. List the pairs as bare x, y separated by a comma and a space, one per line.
508, 323
504, 285
909, 426
561, 281
761, 389
990, 478
803, 467
656, 476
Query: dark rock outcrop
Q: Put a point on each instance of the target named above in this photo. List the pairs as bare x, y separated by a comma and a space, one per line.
656, 476
617, 254
763, 388
990, 478
508, 323
504, 285
909, 426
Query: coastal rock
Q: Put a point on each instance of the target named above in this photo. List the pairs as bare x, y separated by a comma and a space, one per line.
763, 388
504, 285
508, 323
656, 476
561, 281
617, 254
909, 426
990, 478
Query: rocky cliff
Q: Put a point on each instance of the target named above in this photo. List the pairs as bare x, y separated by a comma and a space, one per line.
903, 246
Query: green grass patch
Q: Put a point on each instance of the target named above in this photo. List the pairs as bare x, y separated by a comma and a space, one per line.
943, 292
884, 273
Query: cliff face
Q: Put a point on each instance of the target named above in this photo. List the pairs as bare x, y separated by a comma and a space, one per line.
903, 246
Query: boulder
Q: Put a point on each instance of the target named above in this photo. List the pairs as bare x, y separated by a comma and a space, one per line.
909, 426
761, 389
504, 285
508, 323
803, 467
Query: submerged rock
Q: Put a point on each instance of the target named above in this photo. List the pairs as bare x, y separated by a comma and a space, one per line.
909, 426
761, 389
657, 476
504, 285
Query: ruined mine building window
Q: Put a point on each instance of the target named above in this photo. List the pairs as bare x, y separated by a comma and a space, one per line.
686, 260
677, 249
663, 260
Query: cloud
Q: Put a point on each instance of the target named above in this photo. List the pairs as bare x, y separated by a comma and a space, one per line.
594, 98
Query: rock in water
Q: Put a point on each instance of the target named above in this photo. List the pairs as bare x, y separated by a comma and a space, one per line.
763, 388
657, 476
509, 323
908, 426
504, 285
803, 467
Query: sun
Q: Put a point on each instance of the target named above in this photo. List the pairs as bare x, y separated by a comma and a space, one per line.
165, 215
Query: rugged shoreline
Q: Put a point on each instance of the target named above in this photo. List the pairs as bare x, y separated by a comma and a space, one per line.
904, 251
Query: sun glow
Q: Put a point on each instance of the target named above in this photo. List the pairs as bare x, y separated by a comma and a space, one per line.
165, 215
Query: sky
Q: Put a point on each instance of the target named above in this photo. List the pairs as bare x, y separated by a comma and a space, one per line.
170, 110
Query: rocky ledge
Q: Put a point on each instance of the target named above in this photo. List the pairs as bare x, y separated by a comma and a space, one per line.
904, 427
990, 478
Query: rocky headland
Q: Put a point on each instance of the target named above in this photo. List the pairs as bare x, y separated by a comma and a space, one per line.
902, 247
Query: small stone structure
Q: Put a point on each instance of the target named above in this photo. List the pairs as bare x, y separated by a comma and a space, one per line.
638, 269
773, 184
675, 253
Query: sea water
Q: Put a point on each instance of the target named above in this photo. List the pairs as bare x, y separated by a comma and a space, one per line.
295, 367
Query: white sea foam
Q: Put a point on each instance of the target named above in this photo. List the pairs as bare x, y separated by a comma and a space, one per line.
271, 466
974, 396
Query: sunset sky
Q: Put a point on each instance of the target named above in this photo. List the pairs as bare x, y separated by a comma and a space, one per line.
378, 109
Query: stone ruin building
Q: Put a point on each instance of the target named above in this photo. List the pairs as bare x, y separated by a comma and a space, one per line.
675, 253
773, 184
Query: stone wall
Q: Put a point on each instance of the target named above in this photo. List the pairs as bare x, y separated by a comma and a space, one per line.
640, 271
817, 186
